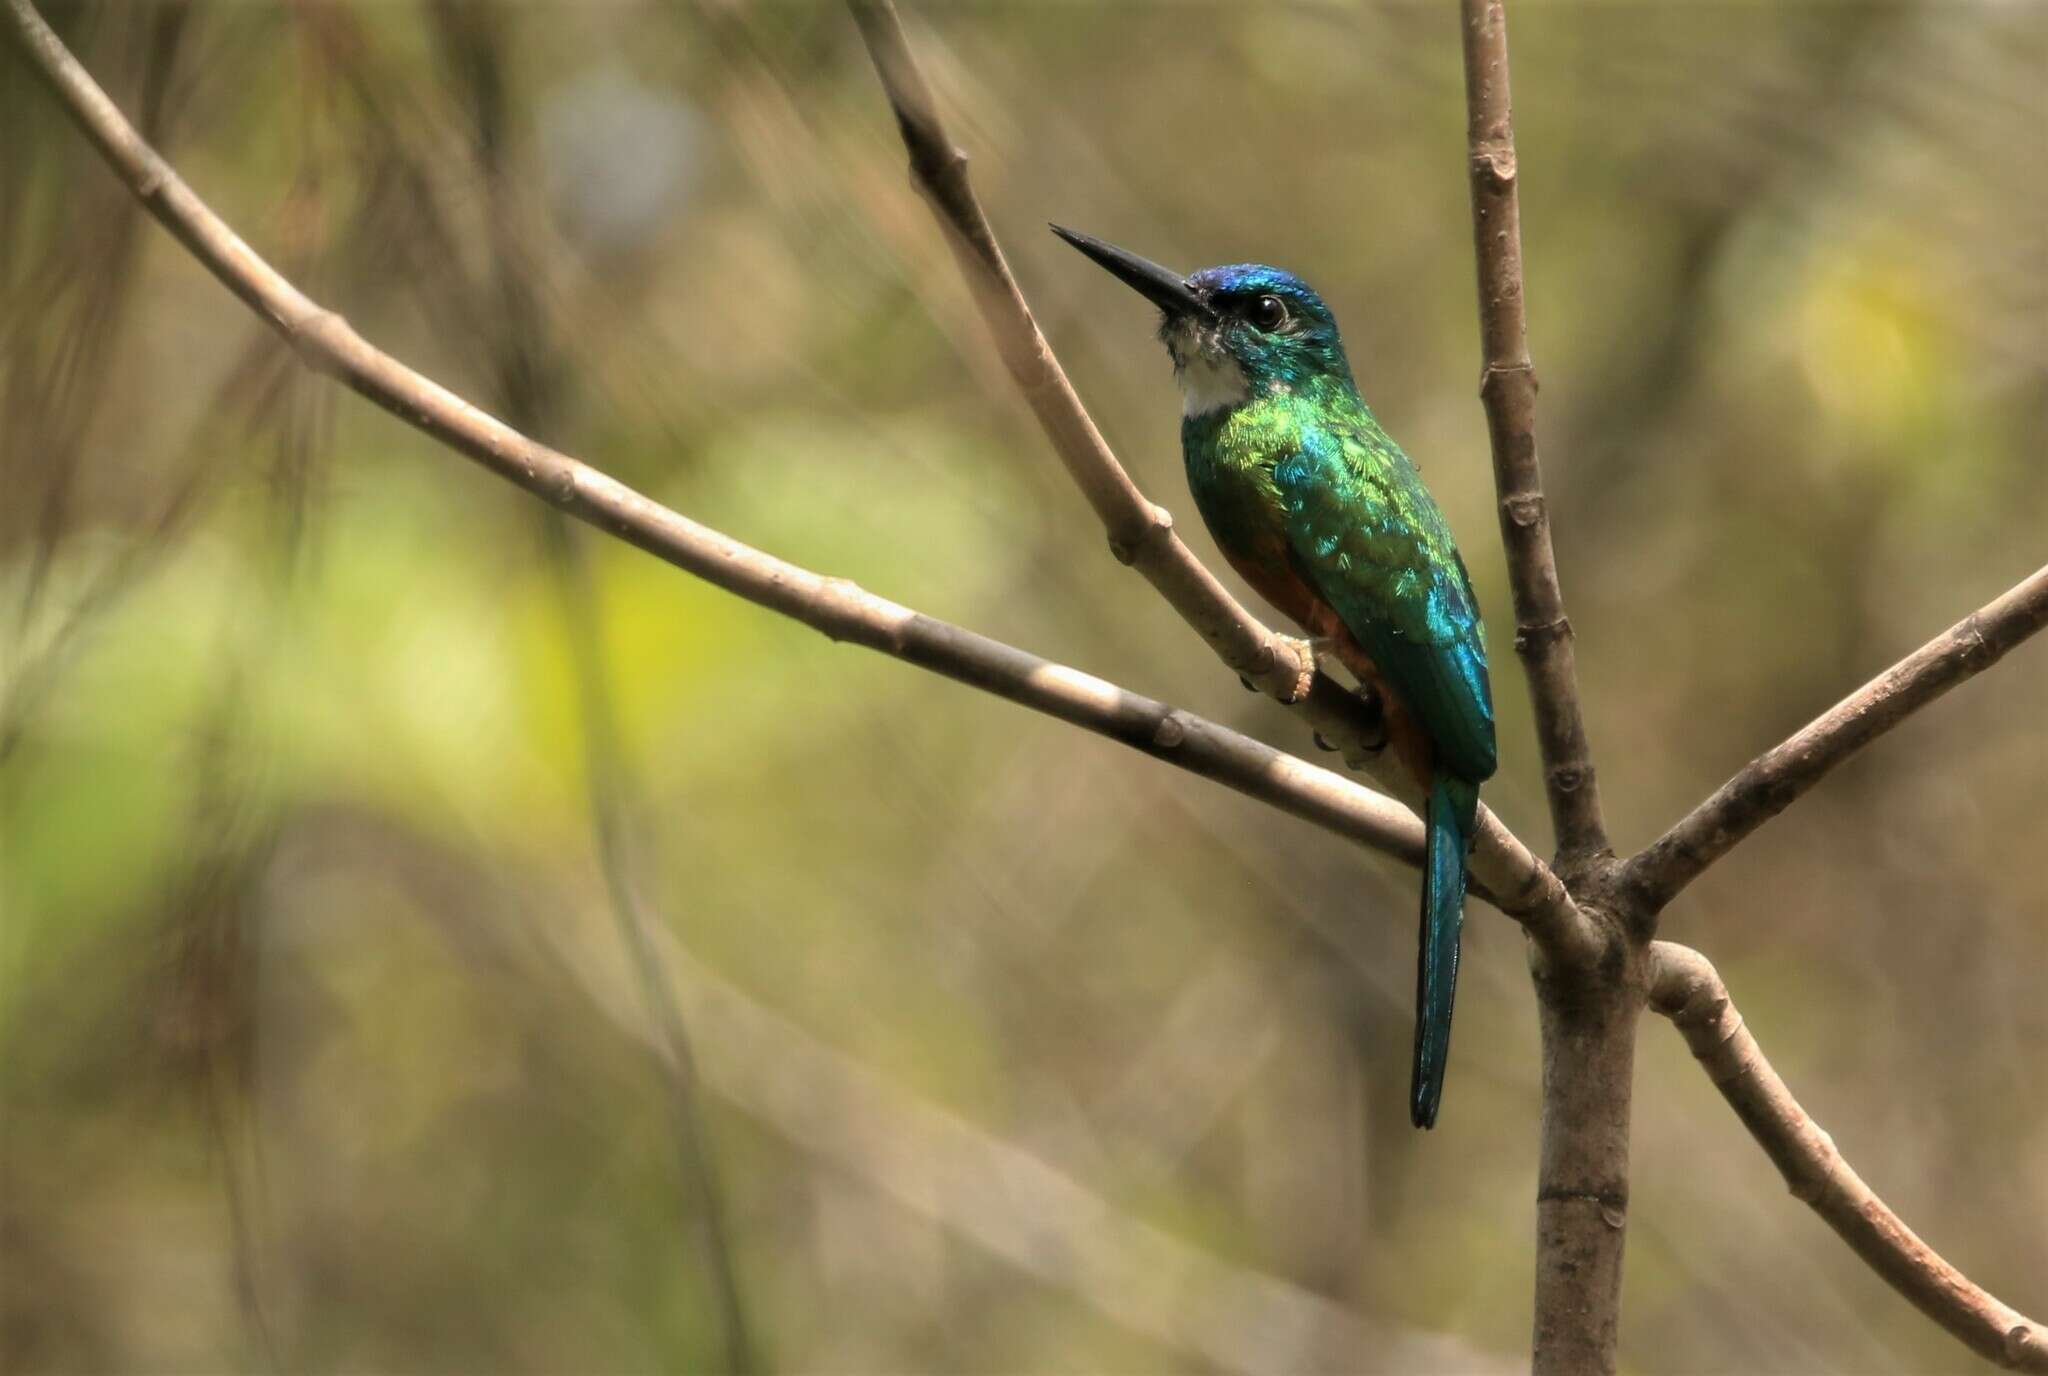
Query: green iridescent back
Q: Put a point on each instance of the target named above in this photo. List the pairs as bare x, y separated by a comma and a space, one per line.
1301, 473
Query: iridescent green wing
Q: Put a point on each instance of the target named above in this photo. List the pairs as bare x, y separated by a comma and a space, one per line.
1367, 536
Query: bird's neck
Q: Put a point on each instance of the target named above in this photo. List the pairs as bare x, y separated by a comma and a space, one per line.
1211, 385
1217, 391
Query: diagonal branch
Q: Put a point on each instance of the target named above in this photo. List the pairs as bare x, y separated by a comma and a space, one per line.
1519, 883
1686, 989
1140, 533
1774, 780
1507, 388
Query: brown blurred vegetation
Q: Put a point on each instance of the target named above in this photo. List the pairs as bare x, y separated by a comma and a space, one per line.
334, 781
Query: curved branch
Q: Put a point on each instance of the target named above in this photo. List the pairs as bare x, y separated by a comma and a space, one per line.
1507, 388
326, 343
1685, 988
1774, 780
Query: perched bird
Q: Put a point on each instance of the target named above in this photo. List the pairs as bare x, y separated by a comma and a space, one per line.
1326, 518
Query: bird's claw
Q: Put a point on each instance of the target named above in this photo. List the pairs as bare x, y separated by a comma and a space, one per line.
1364, 756
1305, 657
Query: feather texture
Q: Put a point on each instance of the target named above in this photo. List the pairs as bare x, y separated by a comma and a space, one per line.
1322, 513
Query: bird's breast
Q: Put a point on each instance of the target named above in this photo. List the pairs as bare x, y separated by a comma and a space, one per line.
1233, 490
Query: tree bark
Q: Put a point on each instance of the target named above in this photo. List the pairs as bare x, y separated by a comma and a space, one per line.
1589, 1047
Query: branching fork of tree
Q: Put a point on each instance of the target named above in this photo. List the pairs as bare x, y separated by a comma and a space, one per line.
1590, 916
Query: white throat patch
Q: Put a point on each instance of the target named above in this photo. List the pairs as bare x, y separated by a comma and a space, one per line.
1209, 383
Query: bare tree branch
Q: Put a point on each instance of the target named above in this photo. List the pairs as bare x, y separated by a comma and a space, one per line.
325, 342
1685, 988
1140, 533
1507, 387
1588, 1014
1776, 779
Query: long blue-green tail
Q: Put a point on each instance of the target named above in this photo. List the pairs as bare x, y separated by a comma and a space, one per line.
1451, 820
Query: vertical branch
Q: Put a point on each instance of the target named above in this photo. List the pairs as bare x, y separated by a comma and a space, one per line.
1543, 636
1589, 1047
1588, 1013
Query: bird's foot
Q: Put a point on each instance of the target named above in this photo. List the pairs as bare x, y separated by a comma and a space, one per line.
1362, 757
1305, 656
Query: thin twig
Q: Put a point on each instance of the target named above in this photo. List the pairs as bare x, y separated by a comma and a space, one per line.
1507, 388
1521, 885
1685, 988
1141, 533
1773, 781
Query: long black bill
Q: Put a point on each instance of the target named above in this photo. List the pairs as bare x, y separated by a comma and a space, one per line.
1163, 287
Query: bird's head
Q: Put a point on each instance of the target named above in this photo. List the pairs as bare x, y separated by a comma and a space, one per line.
1234, 332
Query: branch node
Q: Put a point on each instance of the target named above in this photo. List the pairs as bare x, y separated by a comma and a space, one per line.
1976, 653
1496, 375
1170, 732
562, 491
1494, 163
1525, 509
156, 175
1154, 526
1566, 778
2022, 1345
311, 335
1529, 636
1727, 1019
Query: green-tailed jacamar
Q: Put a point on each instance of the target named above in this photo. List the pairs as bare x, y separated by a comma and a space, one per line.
1322, 513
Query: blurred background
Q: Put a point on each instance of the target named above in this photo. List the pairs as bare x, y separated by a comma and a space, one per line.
434, 940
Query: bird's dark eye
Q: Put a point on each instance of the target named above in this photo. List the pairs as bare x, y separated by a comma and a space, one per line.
1267, 312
